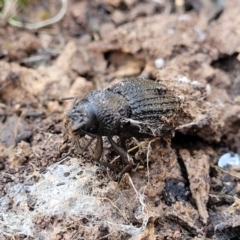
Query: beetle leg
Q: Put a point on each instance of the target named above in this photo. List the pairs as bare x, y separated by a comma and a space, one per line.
99, 149
119, 150
98, 154
77, 145
123, 145
125, 170
88, 144
123, 142
69, 151
124, 155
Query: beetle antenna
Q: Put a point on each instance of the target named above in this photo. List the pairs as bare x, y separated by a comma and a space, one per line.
74, 101
66, 98
68, 153
69, 98
88, 144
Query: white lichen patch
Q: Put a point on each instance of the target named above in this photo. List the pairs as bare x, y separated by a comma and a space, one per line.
61, 190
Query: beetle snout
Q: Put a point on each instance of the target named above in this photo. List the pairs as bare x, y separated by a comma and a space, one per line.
73, 120
69, 114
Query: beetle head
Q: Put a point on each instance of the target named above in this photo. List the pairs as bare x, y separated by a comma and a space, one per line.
81, 120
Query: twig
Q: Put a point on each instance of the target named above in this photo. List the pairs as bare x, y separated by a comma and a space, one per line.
222, 170
9, 175
63, 158
9, 9
106, 236
34, 26
66, 98
235, 205
148, 152
119, 211
34, 59
135, 147
186, 125
141, 198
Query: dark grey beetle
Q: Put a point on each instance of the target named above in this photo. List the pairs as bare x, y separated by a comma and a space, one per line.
136, 107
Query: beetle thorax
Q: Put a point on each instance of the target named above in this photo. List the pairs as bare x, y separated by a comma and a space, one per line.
109, 108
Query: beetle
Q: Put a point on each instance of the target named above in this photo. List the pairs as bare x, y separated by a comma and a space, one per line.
135, 107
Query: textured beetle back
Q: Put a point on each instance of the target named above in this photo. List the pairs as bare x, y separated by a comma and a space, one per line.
149, 100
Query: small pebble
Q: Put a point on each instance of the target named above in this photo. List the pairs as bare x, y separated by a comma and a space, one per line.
159, 63
60, 184
229, 159
183, 79
184, 18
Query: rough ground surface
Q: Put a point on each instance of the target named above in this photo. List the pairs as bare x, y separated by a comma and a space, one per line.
177, 191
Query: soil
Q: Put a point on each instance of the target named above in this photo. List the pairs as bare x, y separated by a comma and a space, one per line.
176, 191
